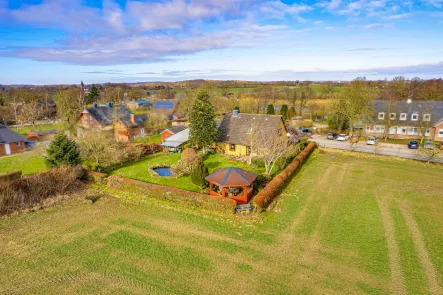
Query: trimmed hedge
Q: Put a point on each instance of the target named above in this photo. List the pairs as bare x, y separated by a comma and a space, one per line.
264, 198
142, 189
10, 175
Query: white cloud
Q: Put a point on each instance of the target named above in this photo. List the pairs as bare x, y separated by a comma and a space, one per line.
330, 5
399, 16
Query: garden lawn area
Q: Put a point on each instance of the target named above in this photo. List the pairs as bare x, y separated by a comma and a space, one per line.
156, 138
140, 170
44, 127
28, 162
346, 224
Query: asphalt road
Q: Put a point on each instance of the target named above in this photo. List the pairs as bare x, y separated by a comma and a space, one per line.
387, 149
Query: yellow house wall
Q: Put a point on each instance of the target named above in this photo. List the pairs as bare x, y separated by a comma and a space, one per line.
240, 150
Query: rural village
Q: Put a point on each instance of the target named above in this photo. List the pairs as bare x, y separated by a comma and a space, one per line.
221, 147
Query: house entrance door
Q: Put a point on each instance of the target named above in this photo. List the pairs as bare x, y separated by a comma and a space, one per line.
7, 149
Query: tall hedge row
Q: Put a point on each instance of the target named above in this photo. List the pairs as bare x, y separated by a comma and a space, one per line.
264, 198
142, 189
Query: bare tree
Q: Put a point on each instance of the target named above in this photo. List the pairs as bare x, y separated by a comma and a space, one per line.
30, 112
429, 154
269, 148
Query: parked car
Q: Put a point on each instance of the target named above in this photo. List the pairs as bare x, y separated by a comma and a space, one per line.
332, 135
372, 140
306, 131
413, 144
354, 138
429, 145
342, 137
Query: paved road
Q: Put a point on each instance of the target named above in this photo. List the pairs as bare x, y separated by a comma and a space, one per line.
387, 149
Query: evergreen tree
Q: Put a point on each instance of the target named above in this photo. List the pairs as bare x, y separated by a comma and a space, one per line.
270, 110
93, 95
62, 152
284, 112
203, 131
198, 175
237, 108
291, 112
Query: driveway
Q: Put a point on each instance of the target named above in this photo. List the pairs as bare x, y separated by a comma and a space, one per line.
387, 149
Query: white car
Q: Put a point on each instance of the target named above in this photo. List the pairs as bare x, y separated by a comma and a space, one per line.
342, 137
372, 140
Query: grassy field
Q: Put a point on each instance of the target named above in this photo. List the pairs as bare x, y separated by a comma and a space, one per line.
157, 138
345, 225
140, 171
45, 127
29, 162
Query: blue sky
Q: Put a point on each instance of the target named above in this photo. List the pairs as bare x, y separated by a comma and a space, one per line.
65, 41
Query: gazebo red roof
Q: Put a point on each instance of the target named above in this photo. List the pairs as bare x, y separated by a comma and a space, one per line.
231, 177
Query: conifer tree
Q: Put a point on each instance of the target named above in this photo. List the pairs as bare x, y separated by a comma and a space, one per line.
62, 152
270, 110
203, 131
284, 112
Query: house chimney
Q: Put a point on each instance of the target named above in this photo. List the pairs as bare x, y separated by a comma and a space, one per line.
235, 113
409, 101
132, 118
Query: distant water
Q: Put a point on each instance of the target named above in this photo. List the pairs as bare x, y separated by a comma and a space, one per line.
163, 171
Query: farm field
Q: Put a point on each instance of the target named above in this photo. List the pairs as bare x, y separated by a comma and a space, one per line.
346, 224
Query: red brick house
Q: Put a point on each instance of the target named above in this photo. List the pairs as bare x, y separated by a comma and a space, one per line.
118, 121
171, 131
10, 142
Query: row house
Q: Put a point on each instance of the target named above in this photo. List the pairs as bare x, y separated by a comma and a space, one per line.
407, 119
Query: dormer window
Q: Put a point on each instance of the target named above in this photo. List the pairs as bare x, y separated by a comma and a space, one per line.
427, 117
392, 116
414, 117
381, 116
403, 116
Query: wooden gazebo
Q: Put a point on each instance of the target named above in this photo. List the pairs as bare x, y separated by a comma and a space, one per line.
233, 183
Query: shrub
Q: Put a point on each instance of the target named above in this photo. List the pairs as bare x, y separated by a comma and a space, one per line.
198, 174
28, 191
264, 198
189, 160
139, 190
304, 141
10, 175
63, 152
151, 148
258, 163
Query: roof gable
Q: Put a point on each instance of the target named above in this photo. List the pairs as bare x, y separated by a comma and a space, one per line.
238, 129
8, 136
105, 115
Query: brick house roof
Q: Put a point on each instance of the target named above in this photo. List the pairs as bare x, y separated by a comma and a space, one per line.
8, 136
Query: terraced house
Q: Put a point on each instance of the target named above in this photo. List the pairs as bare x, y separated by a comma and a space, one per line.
407, 119
117, 121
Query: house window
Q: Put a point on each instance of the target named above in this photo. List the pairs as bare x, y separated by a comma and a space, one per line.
85, 119
426, 117
381, 116
403, 116
17, 144
401, 130
90, 120
412, 131
392, 130
440, 133
428, 132
142, 131
392, 116
369, 128
379, 129
414, 117
232, 147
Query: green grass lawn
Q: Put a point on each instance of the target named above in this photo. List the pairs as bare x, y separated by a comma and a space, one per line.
157, 138
347, 224
45, 127
29, 162
140, 169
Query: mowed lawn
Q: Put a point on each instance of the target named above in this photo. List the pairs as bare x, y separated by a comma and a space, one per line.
29, 162
140, 170
344, 225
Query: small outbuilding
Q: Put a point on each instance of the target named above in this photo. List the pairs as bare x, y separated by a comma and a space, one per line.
233, 183
176, 142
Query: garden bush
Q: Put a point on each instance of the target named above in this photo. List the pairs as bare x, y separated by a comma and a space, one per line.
139, 190
28, 191
10, 175
264, 198
198, 174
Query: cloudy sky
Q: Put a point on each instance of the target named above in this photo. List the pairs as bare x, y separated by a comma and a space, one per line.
65, 41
